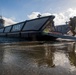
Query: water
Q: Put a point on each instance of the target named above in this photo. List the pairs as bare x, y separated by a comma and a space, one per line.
37, 58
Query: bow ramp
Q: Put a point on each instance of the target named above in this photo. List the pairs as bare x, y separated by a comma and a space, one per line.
63, 37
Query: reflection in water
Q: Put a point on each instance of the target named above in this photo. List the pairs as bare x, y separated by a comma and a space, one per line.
38, 59
72, 54
47, 58
1, 54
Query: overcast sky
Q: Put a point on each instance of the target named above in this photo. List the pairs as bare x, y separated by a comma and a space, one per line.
20, 10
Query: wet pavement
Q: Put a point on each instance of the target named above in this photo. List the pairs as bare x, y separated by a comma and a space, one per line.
38, 58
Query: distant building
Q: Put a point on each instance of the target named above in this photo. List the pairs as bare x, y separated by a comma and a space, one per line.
62, 28
1, 22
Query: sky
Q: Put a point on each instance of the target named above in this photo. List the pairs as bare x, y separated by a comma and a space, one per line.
14, 11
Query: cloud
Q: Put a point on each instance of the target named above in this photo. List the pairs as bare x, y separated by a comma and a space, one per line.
60, 18
71, 12
33, 15
8, 21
